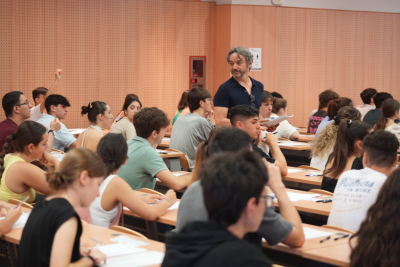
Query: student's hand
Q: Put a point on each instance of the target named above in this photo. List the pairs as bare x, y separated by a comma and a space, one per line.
171, 195
151, 199
257, 142
84, 250
58, 74
274, 175
55, 125
268, 128
4, 206
13, 215
270, 139
209, 115
48, 158
97, 256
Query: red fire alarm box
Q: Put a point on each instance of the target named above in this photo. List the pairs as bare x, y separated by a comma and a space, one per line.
197, 72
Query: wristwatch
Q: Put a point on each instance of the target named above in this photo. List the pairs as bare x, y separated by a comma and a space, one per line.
51, 131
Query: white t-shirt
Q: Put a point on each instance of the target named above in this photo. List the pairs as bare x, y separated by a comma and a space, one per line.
285, 129
356, 191
364, 109
394, 129
35, 113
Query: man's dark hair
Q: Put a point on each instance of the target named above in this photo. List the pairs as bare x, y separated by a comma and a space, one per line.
194, 97
229, 181
267, 96
276, 94
367, 94
38, 91
55, 100
380, 97
149, 119
325, 97
381, 147
9, 101
228, 140
242, 113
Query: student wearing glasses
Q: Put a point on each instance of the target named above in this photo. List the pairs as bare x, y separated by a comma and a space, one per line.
240, 89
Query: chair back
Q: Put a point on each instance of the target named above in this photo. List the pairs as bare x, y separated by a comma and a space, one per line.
320, 191
185, 164
127, 231
16, 202
150, 191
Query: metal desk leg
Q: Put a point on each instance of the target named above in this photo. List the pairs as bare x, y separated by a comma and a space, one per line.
152, 230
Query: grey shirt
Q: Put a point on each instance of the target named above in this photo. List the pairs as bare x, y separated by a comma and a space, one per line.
188, 132
274, 228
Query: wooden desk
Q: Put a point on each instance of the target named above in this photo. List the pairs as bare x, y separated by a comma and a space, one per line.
302, 130
169, 154
164, 144
301, 146
300, 177
306, 138
167, 134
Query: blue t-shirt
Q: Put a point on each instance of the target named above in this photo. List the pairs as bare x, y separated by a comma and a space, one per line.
231, 94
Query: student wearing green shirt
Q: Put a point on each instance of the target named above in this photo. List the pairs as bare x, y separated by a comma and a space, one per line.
144, 164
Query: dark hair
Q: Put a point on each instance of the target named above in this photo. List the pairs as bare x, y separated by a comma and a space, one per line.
378, 240
55, 100
336, 104
367, 94
325, 97
9, 101
128, 96
267, 96
129, 101
381, 147
113, 150
276, 95
242, 113
28, 132
39, 91
278, 104
389, 108
229, 140
75, 161
348, 133
229, 181
148, 120
183, 102
194, 97
93, 109
380, 97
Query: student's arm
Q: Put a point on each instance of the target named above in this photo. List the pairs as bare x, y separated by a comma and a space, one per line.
210, 116
272, 141
73, 145
120, 190
221, 114
55, 125
12, 216
52, 88
174, 182
29, 175
295, 136
288, 211
63, 243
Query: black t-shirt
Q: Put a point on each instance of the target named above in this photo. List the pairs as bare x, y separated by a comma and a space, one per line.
315, 121
263, 154
40, 229
373, 116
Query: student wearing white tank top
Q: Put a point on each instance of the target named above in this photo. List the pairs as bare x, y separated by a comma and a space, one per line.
114, 191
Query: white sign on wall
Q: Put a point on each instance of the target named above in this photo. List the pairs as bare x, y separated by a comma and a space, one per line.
256, 58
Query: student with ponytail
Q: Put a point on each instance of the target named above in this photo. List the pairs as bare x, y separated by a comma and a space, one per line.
53, 231
106, 209
19, 178
347, 152
100, 117
390, 110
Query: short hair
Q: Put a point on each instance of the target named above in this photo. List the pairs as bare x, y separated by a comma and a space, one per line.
276, 95
267, 96
380, 97
367, 94
381, 147
325, 97
228, 140
55, 100
241, 51
229, 181
39, 91
242, 113
194, 97
9, 101
148, 120
278, 104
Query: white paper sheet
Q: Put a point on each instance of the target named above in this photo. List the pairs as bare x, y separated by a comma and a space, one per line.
177, 174
314, 173
276, 121
20, 223
307, 135
298, 196
175, 206
136, 260
59, 156
127, 241
290, 170
166, 139
118, 249
288, 143
76, 131
313, 233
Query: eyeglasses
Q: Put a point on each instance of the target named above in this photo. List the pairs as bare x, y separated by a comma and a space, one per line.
269, 200
209, 100
25, 103
252, 99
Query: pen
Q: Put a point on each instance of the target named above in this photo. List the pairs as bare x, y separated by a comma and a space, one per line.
324, 200
98, 242
343, 236
20, 203
313, 174
326, 238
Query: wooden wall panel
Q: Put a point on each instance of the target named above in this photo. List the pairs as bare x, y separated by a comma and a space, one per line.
6, 49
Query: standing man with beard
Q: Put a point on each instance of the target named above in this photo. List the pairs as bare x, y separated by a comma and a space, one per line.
240, 89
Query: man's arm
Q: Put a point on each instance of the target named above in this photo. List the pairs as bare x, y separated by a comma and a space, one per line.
174, 182
52, 88
55, 125
221, 116
272, 141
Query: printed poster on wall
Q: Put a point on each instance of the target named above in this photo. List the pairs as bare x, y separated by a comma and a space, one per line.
256, 58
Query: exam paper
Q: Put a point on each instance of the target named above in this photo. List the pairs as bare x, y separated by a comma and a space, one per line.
166, 139
298, 196
314, 173
59, 156
118, 249
175, 206
20, 223
290, 170
289, 143
76, 131
127, 241
310, 233
136, 260
276, 120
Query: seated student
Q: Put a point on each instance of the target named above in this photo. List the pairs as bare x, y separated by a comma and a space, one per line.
347, 152
285, 129
125, 125
39, 97
333, 108
19, 178
106, 209
367, 97
390, 110
100, 117
265, 115
324, 142
357, 190
193, 128
183, 107
374, 115
317, 116
235, 197
276, 95
376, 242
52, 234
144, 164
11, 217
122, 113
285, 227
246, 117
57, 107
